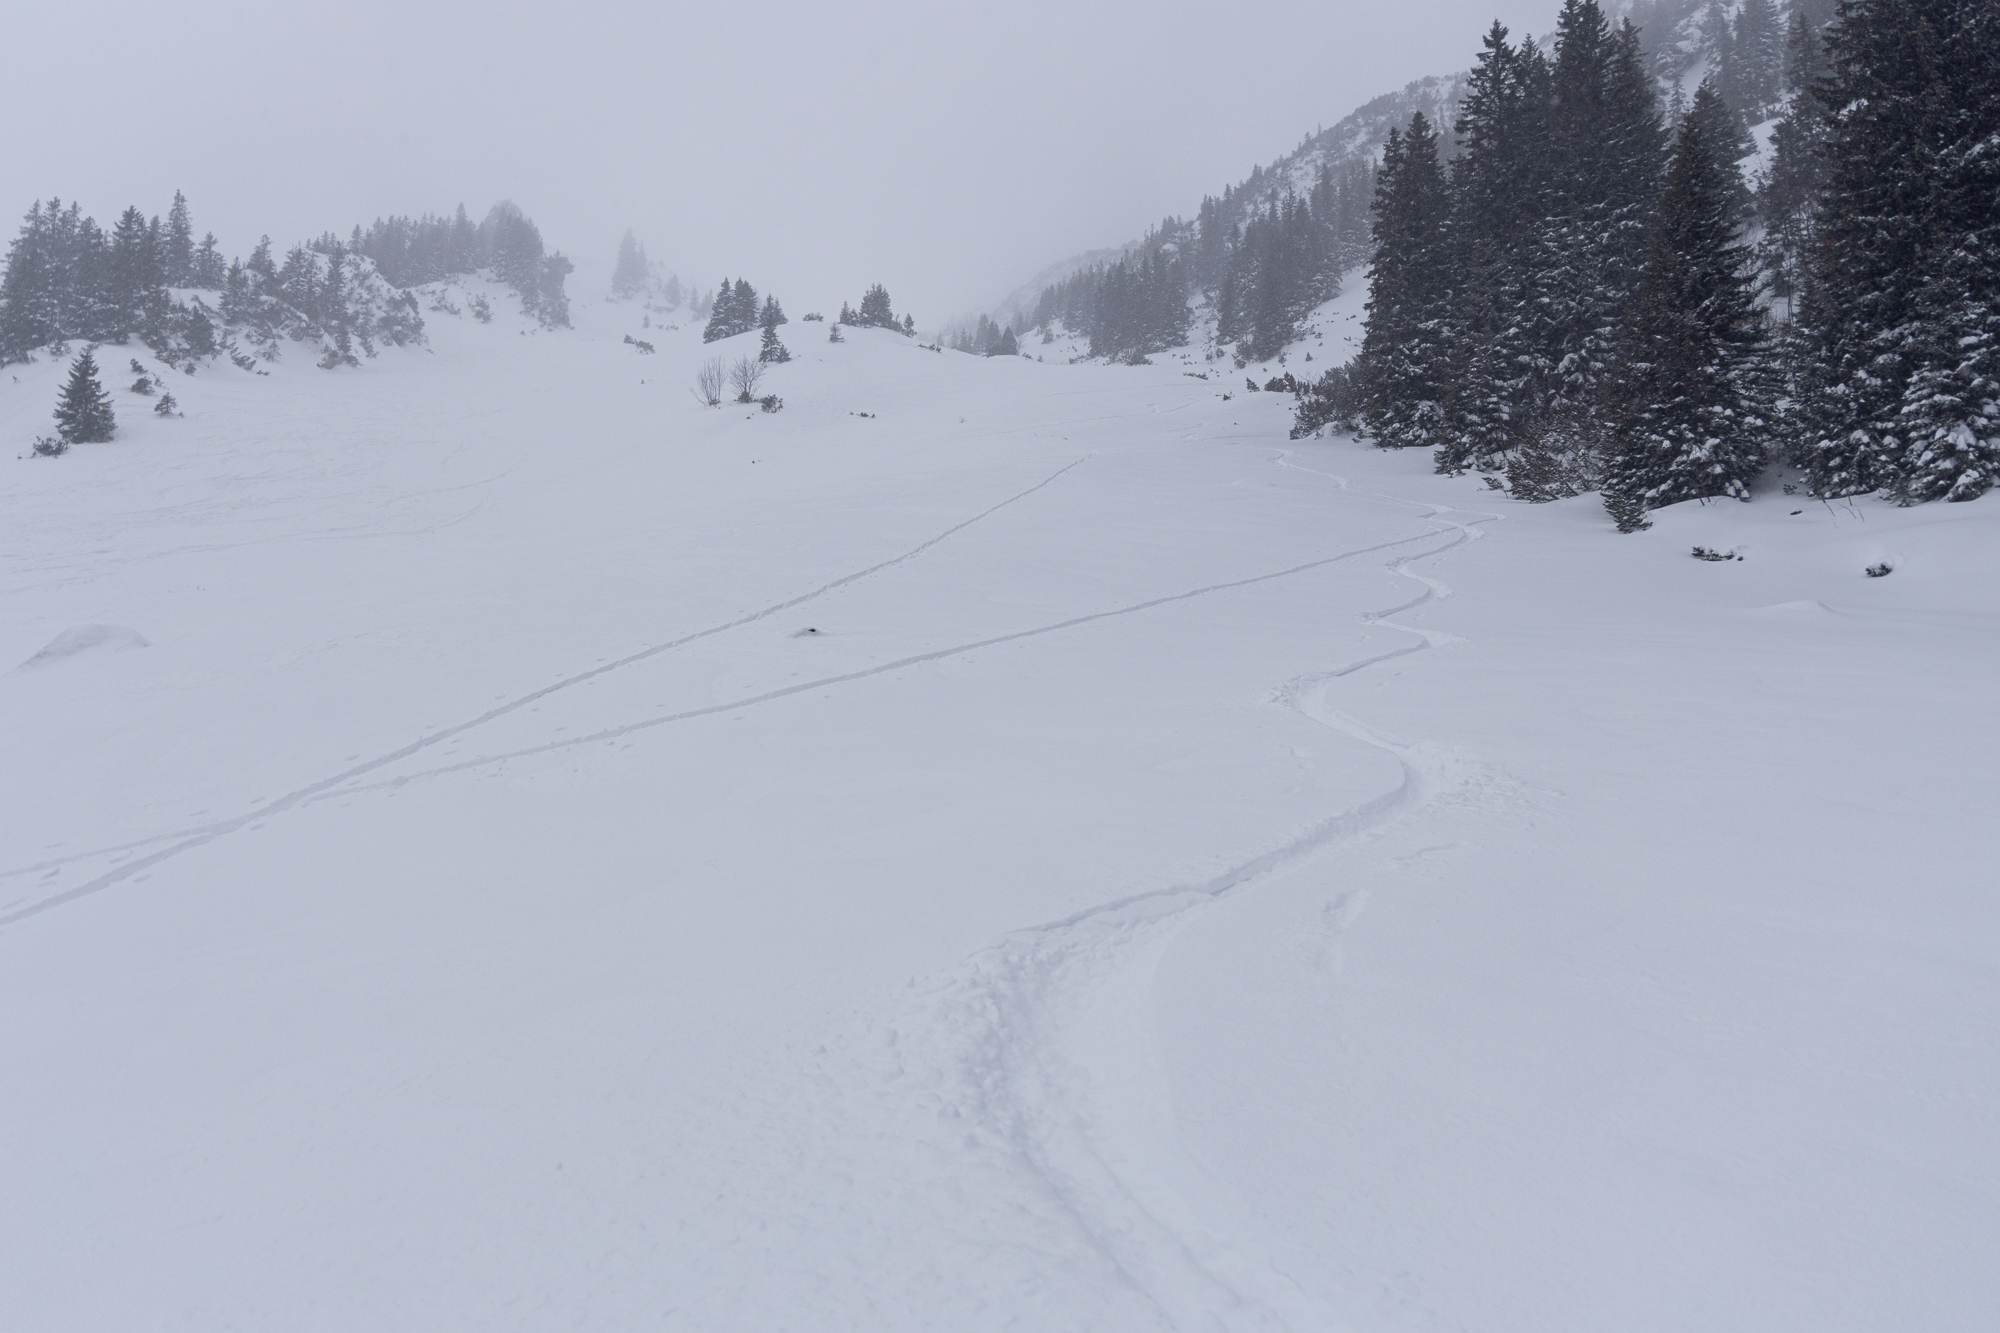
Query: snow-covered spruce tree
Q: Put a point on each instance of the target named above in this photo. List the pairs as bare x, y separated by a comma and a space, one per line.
735, 311
1404, 367
177, 256
875, 312
136, 295
1695, 400
1951, 408
628, 276
1758, 45
512, 246
770, 351
552, 301
772, 314
83, 408
1728, 136
1608, 150
1500, 189
209, 268
1895, 323
1788, 189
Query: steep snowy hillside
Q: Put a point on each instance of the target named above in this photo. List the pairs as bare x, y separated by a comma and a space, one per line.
494, 844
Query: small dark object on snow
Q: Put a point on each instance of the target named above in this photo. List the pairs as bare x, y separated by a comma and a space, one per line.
645, 347
1879, 571
1703, 553
1250, 384
1797, 512
809, 629
770, 402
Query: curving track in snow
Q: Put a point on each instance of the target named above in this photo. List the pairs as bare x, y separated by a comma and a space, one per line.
1026, 1043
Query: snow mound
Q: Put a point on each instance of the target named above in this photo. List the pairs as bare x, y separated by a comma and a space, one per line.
84, 639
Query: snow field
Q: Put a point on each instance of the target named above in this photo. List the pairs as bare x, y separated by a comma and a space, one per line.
1188, 879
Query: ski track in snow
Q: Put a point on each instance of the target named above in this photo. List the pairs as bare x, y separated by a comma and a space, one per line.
204, 834
1000, 1033
901, 663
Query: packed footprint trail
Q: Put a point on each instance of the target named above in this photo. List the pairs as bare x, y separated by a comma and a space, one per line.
690, 977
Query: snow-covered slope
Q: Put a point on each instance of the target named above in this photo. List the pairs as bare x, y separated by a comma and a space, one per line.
493, 844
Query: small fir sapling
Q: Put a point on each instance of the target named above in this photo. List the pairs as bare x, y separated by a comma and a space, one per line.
83, 409
833, 334
166, 407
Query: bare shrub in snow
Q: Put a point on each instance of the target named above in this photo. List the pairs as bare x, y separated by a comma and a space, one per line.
744, 377
708, 383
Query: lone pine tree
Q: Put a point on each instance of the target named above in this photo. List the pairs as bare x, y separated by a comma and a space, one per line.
83, 409
770, 351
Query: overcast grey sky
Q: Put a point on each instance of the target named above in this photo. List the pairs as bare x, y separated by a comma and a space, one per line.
946, 149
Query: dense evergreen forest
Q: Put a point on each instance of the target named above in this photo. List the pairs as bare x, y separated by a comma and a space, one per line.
1573, 283
69, 279
1574, 297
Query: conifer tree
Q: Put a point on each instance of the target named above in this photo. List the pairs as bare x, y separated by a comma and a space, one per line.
1695, 397
1896, 320
1500, 186
1405, 359
875, 312
178, 260
83, 409
1727, 136
1607, 152
628, 276
1758, 46
134, 292
771, 351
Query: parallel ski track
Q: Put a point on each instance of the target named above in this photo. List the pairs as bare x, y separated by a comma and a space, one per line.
189, 839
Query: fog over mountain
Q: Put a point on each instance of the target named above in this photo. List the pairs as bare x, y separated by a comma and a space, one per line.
948, 151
